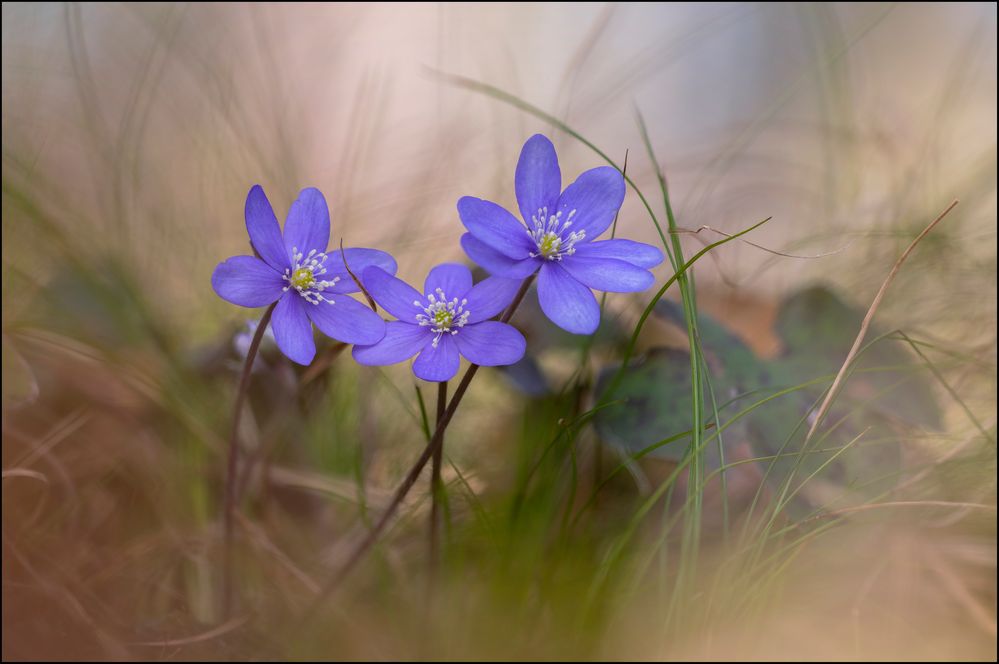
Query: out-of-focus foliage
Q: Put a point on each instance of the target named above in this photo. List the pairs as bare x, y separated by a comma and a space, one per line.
888, 394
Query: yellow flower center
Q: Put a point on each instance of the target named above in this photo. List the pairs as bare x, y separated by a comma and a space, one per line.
443, 318
552, 236
549, 244
302, 278
441, 315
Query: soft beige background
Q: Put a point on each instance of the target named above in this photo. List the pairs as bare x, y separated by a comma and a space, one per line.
146, 125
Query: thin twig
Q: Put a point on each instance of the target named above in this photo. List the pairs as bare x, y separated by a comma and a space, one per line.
831, 394
230, 475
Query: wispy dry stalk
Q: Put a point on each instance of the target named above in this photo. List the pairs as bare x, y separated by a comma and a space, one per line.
831, 394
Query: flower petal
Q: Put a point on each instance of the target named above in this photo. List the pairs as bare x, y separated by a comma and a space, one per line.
440, 363
262, 226
358, 260
307, 227
491, 343
636, 253
608, 274
496, 263
596, 196
292, 329
567, 303
489, 297
496, 227
247, 281
392, 294
454, 279
538, 180
347, 320
401, 342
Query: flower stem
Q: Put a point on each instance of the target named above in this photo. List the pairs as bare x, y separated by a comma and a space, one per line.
436, 486
400, 494
230, 474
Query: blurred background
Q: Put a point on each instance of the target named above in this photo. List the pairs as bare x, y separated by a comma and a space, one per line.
131, 135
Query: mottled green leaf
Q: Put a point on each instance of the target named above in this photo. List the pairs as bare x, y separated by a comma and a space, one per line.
818, 330
734, 368
651, 402
887, 395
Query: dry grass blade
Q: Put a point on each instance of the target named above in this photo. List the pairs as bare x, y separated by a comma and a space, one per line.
900, 503
221, 630
956, 586
705, 227
316, 482
858, 342
22, 472
267, 544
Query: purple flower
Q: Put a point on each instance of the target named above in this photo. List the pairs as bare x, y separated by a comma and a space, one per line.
558, 240
294, 270
450, 319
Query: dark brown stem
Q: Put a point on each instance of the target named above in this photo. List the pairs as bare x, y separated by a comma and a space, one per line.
230, 473
400, 494
436, 486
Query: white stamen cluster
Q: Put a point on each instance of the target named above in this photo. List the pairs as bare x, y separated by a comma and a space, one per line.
442, 315
549, 235
304, 273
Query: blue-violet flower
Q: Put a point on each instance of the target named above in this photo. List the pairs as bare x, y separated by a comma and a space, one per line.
558, 239
294, 270
449, 319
